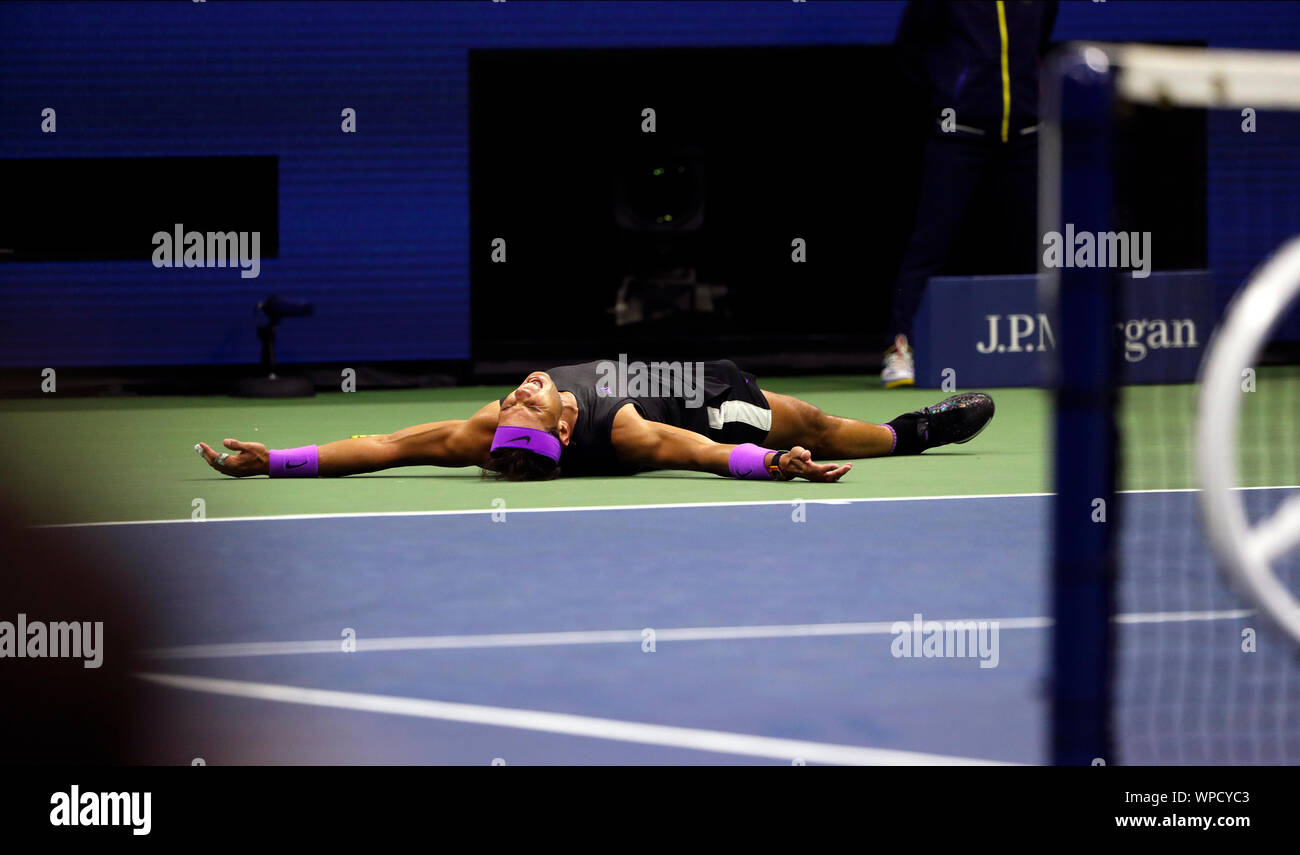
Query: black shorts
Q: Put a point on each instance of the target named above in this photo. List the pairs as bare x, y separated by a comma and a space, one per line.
735, 410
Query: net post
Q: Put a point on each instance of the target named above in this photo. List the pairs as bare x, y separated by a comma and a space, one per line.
1076, 196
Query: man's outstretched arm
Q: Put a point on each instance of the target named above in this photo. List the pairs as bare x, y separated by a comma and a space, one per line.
461, 442
662, 446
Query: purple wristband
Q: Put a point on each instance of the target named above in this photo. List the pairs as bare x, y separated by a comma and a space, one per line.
749, 461
294, 462
893, 444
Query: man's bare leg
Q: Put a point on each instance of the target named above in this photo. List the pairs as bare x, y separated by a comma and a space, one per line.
796, 422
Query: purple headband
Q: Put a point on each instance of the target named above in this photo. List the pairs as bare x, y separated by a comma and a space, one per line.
529, 439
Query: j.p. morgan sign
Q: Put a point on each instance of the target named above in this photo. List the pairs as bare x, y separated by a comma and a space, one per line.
990, 331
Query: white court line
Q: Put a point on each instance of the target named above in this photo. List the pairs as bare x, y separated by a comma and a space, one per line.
586, 508
625, 636
1178, 617
574, 725
557, 509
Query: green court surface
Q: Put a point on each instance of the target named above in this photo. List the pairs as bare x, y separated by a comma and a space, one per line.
75, 460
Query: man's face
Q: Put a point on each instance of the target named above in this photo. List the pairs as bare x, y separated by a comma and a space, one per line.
534, 404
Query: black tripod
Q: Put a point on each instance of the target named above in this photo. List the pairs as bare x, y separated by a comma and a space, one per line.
270, 384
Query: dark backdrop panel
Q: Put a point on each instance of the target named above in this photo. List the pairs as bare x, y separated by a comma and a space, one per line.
782, 152
110, 208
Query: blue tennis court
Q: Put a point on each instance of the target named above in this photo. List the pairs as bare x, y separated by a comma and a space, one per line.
713, 633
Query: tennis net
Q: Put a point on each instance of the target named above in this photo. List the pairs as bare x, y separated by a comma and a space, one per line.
1170, 644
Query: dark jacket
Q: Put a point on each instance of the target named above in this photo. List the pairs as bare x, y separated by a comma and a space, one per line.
955, 49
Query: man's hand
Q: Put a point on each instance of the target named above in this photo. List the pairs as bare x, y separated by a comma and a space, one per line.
798, 463
250, 458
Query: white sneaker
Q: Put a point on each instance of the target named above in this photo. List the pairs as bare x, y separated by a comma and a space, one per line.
899, 368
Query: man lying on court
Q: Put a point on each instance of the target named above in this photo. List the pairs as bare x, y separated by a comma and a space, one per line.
577, 420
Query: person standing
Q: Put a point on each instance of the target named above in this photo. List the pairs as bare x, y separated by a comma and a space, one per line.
979, 62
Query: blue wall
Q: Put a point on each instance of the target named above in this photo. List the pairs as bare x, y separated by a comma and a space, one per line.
374, 226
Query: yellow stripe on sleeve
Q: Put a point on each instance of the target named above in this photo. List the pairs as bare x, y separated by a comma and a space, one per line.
1006, 69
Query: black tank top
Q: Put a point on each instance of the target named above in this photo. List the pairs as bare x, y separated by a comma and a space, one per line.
595, 387
590, 450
